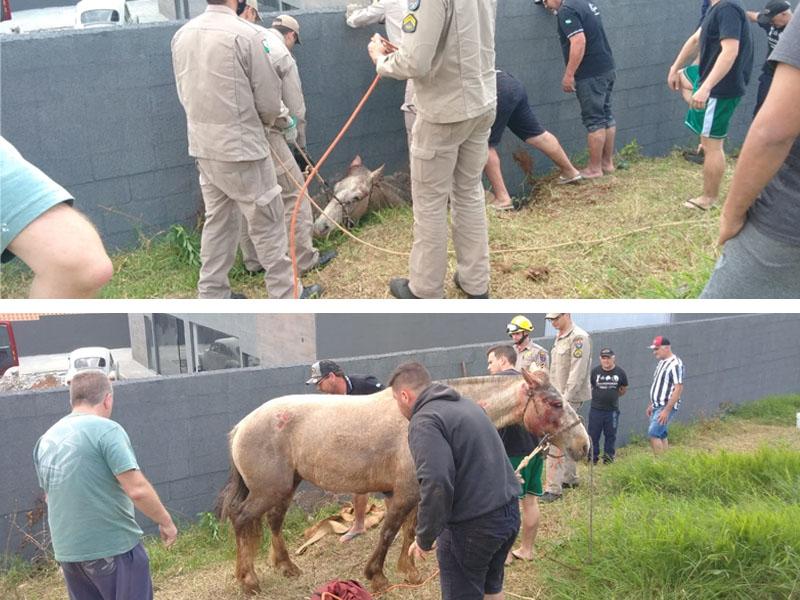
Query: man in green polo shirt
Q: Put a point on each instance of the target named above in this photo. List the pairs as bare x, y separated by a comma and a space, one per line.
87, 468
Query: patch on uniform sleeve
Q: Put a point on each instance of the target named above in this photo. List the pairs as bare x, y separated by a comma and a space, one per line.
577, 353
409, 24
413, 4
265, 46
542, 357
578, 342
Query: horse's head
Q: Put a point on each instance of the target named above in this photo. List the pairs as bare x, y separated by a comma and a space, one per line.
350, 198
545, 412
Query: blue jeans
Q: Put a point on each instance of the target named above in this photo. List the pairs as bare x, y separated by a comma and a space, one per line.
603, 422
125, 576
472, 554
656, 429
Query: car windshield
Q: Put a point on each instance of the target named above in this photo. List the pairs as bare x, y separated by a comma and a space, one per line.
105, 15
91, 362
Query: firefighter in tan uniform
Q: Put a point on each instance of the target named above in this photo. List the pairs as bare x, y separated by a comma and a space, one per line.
530, 356
282, 36
447, 48
570, 366
230, 93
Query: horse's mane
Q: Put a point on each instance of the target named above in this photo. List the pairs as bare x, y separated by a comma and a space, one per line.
481, 379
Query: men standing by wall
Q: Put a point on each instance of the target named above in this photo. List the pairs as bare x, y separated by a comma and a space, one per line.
468, 490
714, 87
448, 50
665, 393
760, 221
590, 75
231, 93
609, 383
330, 378
87, 468
530, 356
518, 443
773, 19
570, 363
287, 147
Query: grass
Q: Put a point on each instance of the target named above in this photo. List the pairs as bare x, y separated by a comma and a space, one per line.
714, 518
626, 235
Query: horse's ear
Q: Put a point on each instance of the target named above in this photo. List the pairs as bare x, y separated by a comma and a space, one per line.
537, 379
356, 161
376, 175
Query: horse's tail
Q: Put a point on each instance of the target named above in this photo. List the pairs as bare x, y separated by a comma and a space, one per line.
234, 493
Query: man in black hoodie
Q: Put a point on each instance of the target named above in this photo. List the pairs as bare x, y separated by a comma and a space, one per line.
468, 489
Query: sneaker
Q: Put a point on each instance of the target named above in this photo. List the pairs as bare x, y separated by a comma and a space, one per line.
398, 286
693, 157
323, 260
569, 486
311, 291
237, 296
470, 296
547, 497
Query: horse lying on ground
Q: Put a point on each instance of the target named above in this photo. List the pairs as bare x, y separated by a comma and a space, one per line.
292, 438
360, 191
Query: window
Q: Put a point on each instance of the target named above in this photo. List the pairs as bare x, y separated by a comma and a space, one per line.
90, 362
170, 342
216, 350
105, 15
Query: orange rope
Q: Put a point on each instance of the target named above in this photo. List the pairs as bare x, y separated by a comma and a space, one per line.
313, 173
409, 586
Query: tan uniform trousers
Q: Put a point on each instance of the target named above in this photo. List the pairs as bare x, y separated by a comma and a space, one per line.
447, 161
290, 178
230, 190
559, 467
409, 110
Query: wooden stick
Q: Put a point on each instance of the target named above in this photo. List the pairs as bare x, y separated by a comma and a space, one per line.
524, 462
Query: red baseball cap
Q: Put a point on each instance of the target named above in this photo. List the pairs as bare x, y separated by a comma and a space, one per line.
659, 341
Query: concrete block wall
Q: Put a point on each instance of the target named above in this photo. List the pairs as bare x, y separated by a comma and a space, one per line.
178, 425
98, 111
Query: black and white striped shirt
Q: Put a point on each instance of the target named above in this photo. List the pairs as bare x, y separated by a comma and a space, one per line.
669, 372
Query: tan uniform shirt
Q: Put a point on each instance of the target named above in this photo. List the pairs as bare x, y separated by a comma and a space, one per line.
532, 358
226, 84
389, 12
447, 48
291, 88
570, 365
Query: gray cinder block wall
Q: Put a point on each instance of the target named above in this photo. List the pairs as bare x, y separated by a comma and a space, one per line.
98, 111
178, 425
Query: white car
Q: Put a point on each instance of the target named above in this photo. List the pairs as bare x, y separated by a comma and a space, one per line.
103, 13
95, 358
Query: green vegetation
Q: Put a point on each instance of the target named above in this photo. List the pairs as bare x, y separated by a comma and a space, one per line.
770, 410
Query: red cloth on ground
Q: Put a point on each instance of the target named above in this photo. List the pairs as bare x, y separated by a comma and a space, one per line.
346, 590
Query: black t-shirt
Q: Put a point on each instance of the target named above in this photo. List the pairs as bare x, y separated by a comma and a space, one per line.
581, 16
726, 20
773, 36
605, 387
362, 385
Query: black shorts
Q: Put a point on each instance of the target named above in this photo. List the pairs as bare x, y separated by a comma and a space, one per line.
513, 111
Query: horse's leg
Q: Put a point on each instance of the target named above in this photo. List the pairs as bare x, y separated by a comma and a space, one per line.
249, 530
405, 563
275, 515
396, 513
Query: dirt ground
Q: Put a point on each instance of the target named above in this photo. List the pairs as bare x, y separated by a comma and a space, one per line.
328, 559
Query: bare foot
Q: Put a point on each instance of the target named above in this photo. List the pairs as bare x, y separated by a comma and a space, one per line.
701, 203
608, 169
353, 533
587, 174
520, 555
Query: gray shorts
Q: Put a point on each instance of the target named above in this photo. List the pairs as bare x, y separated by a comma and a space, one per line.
753, 265
594, 96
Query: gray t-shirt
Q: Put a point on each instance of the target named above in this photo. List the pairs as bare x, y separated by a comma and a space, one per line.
776, 212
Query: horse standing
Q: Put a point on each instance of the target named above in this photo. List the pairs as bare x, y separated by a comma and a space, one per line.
292, 438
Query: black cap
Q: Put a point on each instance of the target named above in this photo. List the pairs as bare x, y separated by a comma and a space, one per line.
323, 368
772, 9
606, 352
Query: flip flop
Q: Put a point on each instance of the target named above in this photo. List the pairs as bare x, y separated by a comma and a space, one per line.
350, 535
566, 180
692, 204
515, 554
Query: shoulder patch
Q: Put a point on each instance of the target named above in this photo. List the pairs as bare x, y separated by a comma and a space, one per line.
409, 24
578, 342
577, 353
413, 4
265, 45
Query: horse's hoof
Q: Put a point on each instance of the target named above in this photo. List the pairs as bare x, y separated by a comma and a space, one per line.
251, 588
413, 577
289, 569
378, 583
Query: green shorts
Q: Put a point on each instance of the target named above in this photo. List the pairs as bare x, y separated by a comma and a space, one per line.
714, 120
531, 474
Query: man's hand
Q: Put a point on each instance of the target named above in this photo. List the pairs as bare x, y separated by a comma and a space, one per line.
290, 131
663, 416
729, 226
377, 48
415, 551
568, 83
649, 410
699, 98
169, 533
674, 79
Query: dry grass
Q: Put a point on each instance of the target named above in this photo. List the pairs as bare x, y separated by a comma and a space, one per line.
330, 560
624, 236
